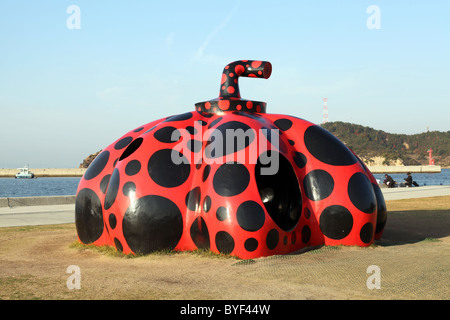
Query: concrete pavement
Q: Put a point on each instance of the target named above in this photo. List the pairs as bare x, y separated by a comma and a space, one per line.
415, 192
37, 215
65, 213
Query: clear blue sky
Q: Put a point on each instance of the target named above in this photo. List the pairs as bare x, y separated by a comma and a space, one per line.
66, 93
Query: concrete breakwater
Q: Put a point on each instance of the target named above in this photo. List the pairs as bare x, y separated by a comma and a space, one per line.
36, 201
405, 169
79, 172
46, 172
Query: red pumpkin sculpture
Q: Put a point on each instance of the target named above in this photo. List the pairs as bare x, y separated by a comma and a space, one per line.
230, 178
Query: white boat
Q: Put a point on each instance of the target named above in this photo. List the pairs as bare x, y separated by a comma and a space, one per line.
24, 173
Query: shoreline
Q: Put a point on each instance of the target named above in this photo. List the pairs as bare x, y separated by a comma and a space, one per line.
404, 169
79, 172
46, 172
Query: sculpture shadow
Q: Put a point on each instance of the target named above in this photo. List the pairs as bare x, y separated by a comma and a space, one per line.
406, 227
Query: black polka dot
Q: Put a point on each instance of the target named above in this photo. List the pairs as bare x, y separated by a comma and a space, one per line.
206, 172
229, 138
199, 234
318, 185
300, 159
122, 143
167, 135
282, 146
306, 234
202, 123
224, 242
191, 130
272, 239
283, 124
222, 213
231, 179
307, 213
254, 116
381, 208
214, 122
180, 117
118, 245
129, 189
199, 164
150, 130
272, 135
139, 129
152, 223
104, 183
193, 199
112, 220
206, 203
250, 216
336, 222
88, 216
165, 172
113, 188
361, 193
194, 145
205, 114
251, 244
293, 237
132, 147
279, 191
327, 148
97, 166
366, 233
133, 167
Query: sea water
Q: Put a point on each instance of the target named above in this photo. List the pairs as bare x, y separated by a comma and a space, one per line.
422, 179
10, 187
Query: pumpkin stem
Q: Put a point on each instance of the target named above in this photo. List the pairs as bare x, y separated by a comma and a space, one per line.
229, 97
229, 87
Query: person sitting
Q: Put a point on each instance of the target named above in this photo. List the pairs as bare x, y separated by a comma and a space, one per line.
389, 181
408, 180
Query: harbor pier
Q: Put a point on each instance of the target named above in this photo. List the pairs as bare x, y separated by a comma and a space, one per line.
79, 172
46, 172
405, 169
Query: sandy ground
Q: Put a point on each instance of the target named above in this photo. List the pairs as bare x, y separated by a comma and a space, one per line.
413, 261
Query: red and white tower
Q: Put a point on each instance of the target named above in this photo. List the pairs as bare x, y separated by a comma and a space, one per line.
430, 157
325, 111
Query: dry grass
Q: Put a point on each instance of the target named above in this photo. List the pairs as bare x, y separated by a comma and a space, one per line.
413, 257
433, 203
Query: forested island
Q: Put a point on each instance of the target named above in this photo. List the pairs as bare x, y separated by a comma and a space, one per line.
377, 147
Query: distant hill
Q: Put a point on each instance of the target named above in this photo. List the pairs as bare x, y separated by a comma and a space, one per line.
86, 162
374, 144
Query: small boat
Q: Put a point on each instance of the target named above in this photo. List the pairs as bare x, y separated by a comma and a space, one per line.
24, 173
